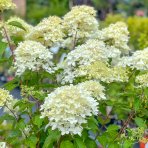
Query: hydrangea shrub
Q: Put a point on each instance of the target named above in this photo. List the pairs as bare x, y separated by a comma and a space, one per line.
74, 80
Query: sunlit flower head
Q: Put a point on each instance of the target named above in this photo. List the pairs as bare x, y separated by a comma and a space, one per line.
4, 97
139, 60
94, 87
6, 4
142, 80
31, 55
93, 56
48, 32
67, 108
80, 22
101, 71
115, 35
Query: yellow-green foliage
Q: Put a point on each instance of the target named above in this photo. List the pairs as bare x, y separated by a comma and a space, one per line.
112, 18
137, 26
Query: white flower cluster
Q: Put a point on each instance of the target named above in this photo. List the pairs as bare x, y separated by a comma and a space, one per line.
90, 59
100, 71
142, 80
68, 107
31, 55
80, 22
115, 35
6, 4
16, 31
5, 97
48, 32
94, 87
7, 101
3, 145
138, 60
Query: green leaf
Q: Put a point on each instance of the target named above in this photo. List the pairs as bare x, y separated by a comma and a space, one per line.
21, 124
17, 24
127, 144
3, 46
11, 84
114, 145
140, 122
6, 117
103, 140
79, 143
3, 60
52, 137
90, 143
14, 133
31, 141
38, 121
66, 144
92, 124
84, 134
137, 104
112, 128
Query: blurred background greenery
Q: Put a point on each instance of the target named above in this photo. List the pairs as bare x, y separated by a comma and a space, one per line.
38, 9
132, 12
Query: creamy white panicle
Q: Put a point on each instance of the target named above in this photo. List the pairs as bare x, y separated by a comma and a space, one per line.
7, 101
3, 145
5, 97
16, 31
103, 72
48, 32
31, 55
115, 35
138, 60
67, 108
80, 22
6, 4
91, 56
142, 80
94, 87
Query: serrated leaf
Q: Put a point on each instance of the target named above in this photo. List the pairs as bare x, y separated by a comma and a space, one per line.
66, 144
14, 133
114, 145
79, 143
3, 60
112, 128
103, 140
92, 124
21, 124
17, 24
11, 84
3, 47
6, 117
137, 104
52, 137
140, 122
90, 143
38, 121
127, 144
31, 141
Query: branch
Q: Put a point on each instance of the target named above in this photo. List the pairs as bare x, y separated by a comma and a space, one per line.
12, 112
16, 119
9, 42
132, 113
7, 37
